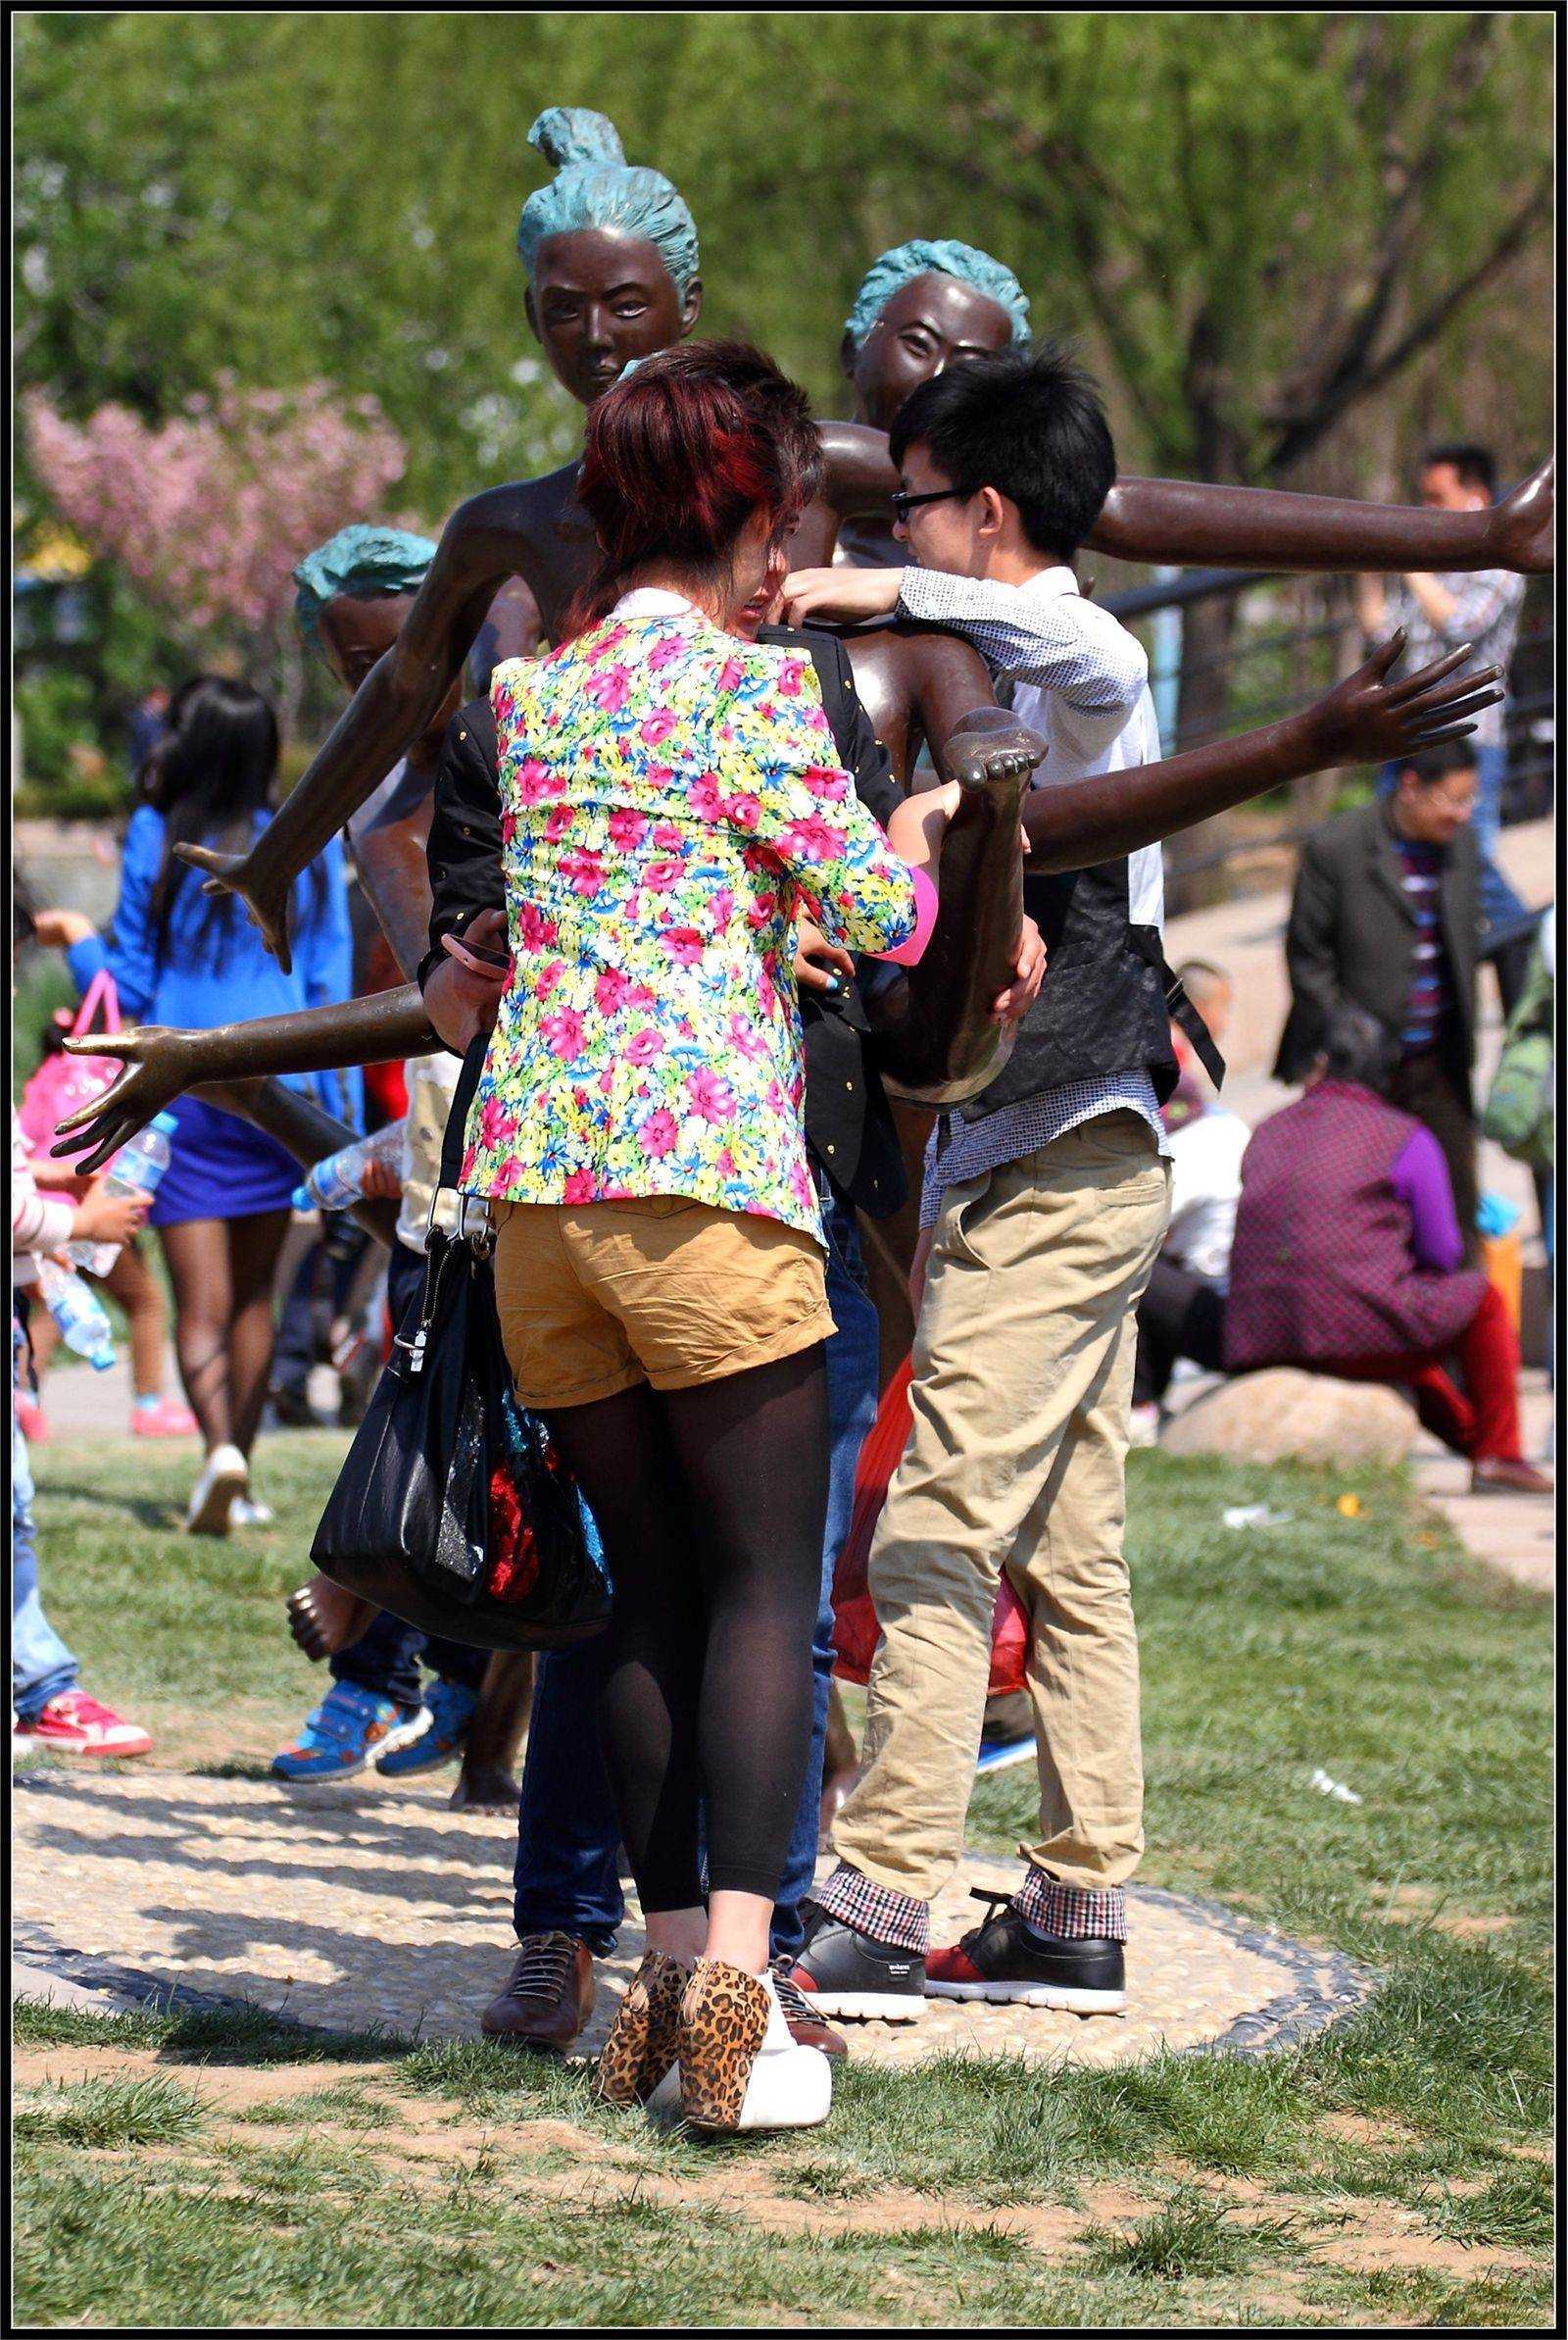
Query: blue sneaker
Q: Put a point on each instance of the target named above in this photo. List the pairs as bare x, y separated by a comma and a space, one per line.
345, 1732
451, 1710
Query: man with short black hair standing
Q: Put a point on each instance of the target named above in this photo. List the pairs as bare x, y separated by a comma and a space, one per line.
1480, 608
1386, 915
1046, 1201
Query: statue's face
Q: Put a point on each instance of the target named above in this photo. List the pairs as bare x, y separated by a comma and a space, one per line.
931, 323
598, 300
355, 633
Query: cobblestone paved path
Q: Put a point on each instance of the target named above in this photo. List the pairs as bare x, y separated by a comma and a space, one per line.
359, 1903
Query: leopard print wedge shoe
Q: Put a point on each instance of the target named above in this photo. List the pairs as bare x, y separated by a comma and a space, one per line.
739, 2068
644, 2038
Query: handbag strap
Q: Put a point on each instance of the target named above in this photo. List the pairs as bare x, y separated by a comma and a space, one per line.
100, 993
462, 1096
439, 1248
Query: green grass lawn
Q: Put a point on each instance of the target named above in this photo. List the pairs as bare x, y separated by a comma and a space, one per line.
1394, 2170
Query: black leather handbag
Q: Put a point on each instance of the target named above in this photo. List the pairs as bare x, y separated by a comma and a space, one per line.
453, 1508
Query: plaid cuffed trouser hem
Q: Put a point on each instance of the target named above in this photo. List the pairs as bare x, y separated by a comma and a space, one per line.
1071, 1913
879, 1911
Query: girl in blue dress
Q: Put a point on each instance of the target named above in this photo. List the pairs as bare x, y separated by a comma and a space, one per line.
180, 956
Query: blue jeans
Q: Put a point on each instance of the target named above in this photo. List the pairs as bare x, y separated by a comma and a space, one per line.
1501, 906
567, 1877
42, 1665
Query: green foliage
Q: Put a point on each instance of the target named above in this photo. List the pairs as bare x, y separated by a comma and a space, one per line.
1281, 238
67, 773
1220, 204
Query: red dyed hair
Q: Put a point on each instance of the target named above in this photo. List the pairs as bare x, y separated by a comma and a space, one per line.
681, 454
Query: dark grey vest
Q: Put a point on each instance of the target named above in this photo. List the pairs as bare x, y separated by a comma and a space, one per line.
1107, 1000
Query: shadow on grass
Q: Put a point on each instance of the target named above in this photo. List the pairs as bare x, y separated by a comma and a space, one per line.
164, 1518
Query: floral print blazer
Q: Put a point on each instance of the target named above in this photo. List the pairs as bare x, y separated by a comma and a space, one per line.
671, 795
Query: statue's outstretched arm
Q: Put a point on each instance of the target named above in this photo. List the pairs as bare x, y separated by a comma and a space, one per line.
161, 1062
1072, 824
937, 1039
1268, 527
1232, 527
392, 706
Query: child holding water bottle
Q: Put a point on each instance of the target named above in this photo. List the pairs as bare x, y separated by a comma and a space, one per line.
50, 1707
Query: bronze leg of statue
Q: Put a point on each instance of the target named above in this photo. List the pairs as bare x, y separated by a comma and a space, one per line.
939, 1042
487, 1780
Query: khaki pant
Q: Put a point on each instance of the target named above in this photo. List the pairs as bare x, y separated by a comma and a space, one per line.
1023, 1367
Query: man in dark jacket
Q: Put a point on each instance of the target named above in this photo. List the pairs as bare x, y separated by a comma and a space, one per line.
1386, 915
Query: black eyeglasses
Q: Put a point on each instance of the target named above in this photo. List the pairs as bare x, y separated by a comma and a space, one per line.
904, 503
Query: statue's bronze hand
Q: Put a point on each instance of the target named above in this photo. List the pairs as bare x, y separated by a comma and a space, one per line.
1524, 526
157, 1068
1367, 720
266, 898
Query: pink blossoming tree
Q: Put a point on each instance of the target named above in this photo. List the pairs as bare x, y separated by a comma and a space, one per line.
208, 512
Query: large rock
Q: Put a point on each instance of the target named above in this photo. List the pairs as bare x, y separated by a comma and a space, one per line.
1283, 1416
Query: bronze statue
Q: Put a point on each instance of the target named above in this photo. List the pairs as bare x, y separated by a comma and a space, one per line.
602, 295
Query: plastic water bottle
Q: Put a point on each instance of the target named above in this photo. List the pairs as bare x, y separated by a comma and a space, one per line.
79, 1313
338, 1181
135, 1170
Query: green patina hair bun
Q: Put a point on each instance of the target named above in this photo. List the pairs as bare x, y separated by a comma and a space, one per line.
595, 186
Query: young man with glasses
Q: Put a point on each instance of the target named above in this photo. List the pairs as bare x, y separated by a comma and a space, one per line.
1046, 1203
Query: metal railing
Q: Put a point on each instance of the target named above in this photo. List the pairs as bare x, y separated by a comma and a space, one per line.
1295, 638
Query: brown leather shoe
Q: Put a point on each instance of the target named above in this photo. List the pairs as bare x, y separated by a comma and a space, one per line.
806, 2027
548, 1998
1508, 1474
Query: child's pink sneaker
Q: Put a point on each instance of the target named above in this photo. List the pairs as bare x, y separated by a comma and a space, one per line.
75, 1725
162, 1418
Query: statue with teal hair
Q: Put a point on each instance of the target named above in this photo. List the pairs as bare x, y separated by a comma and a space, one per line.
611, 254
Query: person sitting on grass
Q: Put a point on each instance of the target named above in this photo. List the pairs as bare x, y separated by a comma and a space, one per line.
1347, 1261
1186, 1289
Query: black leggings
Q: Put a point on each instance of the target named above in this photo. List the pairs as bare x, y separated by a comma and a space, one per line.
711, 1503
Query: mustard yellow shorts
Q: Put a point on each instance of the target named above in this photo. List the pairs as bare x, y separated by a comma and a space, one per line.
594, 1300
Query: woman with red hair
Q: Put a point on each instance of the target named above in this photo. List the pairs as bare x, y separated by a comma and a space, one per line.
671, 798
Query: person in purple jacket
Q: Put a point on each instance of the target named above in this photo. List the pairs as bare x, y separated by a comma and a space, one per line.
1347, 1261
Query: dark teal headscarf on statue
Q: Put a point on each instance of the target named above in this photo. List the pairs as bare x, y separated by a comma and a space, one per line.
368, 563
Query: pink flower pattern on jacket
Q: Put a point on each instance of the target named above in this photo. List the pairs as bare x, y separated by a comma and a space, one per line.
671, 796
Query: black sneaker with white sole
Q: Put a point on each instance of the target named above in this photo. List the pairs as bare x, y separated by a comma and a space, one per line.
1005, 1962
856, 1978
